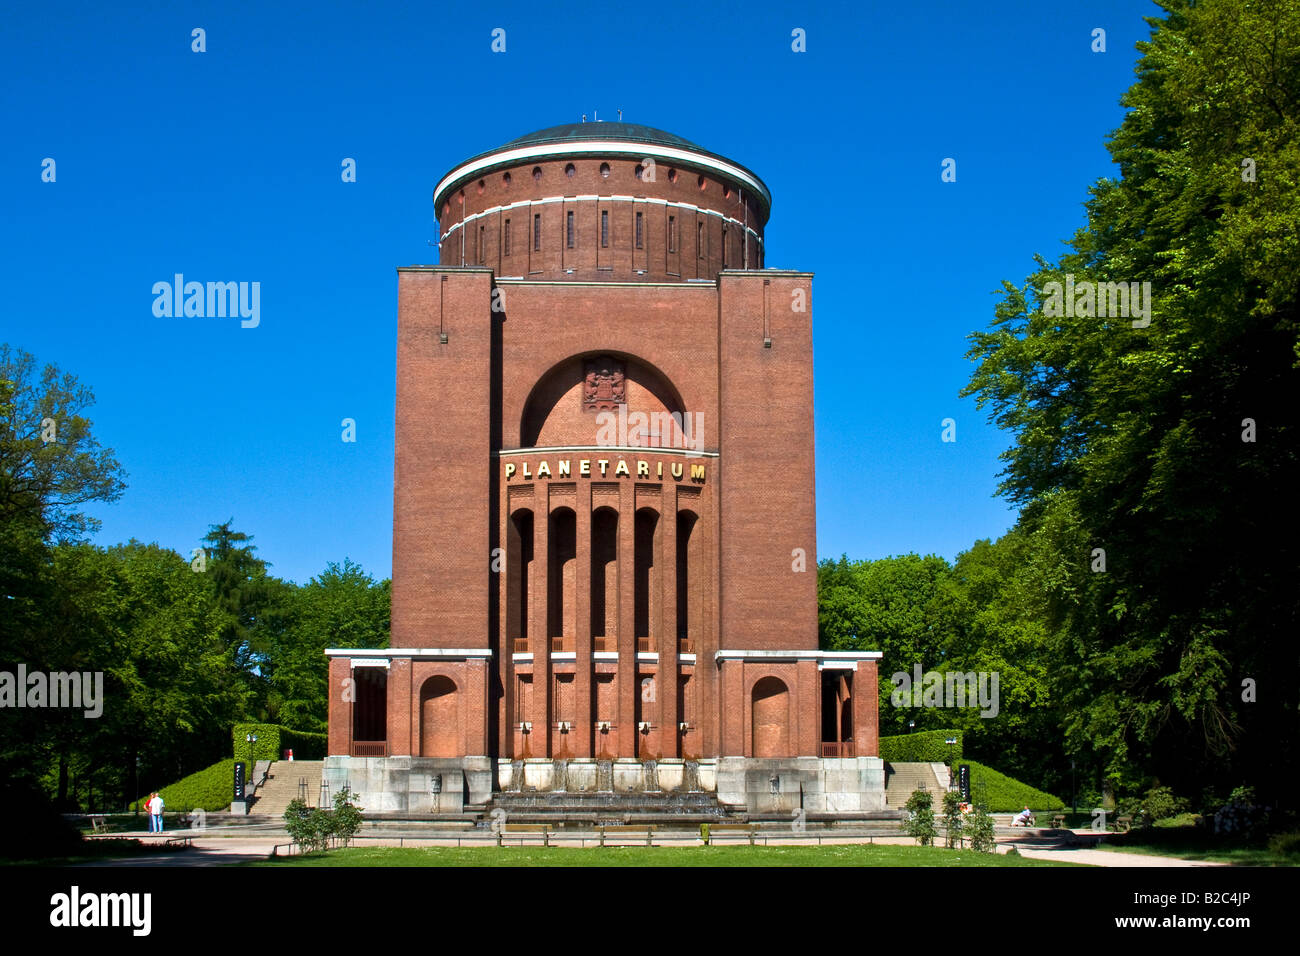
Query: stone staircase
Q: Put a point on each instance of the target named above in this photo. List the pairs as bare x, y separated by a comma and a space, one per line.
282, 786
585, 808
903, 778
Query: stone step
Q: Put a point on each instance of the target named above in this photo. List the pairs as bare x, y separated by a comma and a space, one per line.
282, 786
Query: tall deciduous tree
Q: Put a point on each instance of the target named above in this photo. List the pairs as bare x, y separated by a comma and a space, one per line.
1160, 450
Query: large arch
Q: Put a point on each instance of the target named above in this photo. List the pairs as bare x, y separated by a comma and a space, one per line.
439, 719
770, 719
556, 413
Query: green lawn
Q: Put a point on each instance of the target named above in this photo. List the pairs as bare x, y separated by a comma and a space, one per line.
1186, 843
853, 855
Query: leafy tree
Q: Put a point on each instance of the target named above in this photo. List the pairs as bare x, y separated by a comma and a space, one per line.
50, 463
952, 822
888, 606
979, 825
341, 607
920, 817
1171, 446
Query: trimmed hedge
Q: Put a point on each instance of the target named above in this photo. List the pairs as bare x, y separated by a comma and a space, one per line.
1005, 794
272, 739
210, 789
926, 747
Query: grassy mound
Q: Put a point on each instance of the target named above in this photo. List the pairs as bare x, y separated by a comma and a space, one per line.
1006, 794
209, 789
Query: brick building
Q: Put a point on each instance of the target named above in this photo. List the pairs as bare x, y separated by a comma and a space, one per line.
604, 543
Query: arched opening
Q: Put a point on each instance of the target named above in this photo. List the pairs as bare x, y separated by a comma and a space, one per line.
370, 712
560, 604
604, 579
646, 589
837, 713
638, 402
439, 726
770, 719
687, 570
519, 566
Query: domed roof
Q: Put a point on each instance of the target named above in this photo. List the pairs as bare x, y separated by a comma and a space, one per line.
601, 138
633, 132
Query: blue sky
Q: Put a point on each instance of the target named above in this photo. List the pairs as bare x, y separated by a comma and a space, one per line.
225, 165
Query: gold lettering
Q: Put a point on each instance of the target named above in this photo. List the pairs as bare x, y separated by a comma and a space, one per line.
564, 470
510, 470
697, 472
621, 468
544, 469
677, 470
660, 471
527, 474
604, 463
584, 468
643, 469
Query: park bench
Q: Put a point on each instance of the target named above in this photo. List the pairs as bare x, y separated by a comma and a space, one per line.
622, 834
98, 824
180, 841
1058, 821
527, 828
724, 828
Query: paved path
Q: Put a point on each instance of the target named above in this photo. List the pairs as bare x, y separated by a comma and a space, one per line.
1067, 854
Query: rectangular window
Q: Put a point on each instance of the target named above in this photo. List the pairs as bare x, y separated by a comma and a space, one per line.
537, 232
569, 228
482, 244
604, 228
506, 239
638, 231
724, 247
672, 234
699, 239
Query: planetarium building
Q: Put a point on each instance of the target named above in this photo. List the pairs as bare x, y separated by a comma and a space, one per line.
604, 541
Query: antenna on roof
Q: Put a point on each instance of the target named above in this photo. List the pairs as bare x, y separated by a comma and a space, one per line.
584, 117
620, 116
593, 117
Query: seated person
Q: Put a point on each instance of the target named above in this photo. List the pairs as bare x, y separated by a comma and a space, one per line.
1023, 818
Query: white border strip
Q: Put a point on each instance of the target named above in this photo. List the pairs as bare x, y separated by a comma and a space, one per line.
610, 449
838, 657
522, 154
393, 653
689, 207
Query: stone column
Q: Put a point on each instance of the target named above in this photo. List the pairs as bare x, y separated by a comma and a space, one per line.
628, 685
539, 630
669, 738
581, 732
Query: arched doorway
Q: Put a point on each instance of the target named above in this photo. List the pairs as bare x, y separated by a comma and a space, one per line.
439, 727
771, 719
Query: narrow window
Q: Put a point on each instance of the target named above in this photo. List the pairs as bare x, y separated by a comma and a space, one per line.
482, 244
506, 238
672, 234
724, 247
537, 232
604, 228
569, 228
699, 238
638, 231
